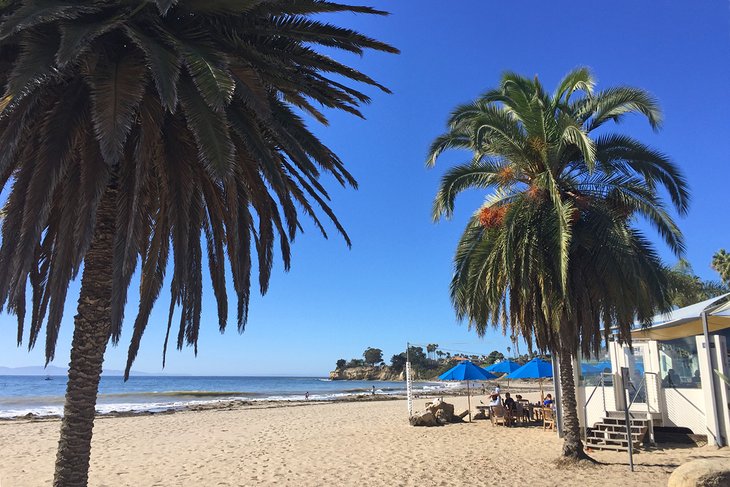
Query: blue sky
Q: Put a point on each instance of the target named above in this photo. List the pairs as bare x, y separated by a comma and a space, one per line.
392, 286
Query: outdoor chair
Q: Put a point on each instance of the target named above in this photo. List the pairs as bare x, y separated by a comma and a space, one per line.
548, 419
522, 413
500, 416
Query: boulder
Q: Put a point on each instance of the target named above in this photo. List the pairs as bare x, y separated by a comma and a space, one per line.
443, 410
425, 418
711, 472
442, 416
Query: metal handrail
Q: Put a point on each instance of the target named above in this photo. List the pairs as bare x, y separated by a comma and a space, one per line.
644, 385
641, 386
602, 384
654, 392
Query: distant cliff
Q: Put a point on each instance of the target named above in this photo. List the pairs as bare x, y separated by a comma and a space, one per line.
366, 373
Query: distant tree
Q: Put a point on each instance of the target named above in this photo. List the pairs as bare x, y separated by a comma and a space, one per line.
721, 263
431, 349
398, 362
509, 350
356, 362
440, 354
416, 356
341, 363
494, 356
687, 288
373, 355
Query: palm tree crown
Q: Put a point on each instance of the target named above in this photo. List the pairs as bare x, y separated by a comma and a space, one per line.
186, 109
553, 253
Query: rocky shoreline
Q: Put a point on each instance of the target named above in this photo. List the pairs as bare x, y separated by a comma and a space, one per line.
366, 372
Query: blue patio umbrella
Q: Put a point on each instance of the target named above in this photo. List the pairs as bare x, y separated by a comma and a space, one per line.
603, 365
595, 368
590, 369
534, 369
505, 366
467, 371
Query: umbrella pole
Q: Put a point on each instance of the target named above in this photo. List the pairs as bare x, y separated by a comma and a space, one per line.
468, 399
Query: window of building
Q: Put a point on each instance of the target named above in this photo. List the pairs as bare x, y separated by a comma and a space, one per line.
592, 368
679, 363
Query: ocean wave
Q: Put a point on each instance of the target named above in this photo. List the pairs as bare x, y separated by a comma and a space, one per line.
180, 394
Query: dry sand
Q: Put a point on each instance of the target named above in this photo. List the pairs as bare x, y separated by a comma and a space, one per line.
358, 443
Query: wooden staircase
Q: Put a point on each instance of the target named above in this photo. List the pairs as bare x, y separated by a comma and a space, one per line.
610, 433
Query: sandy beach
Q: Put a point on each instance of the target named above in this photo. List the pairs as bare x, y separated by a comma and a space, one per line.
327, 443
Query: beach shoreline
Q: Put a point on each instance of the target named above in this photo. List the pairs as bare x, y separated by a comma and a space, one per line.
227, 404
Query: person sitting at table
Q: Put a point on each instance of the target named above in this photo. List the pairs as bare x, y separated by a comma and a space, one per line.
509, 403
526, 406
671, 379
548, 402
496, 400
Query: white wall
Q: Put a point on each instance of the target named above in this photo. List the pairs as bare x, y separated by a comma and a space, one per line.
685, 408
595, 411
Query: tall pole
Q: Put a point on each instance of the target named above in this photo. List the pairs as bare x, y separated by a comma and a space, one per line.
409, 386
468, 399
713, 397
558, 394
630, 440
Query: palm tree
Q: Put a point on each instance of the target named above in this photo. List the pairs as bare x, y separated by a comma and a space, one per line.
553, 254
687, 288
721, 263
131, 131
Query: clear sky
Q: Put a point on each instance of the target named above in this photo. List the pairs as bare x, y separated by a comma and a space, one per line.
392, 286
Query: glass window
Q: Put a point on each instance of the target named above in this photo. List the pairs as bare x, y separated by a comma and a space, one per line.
635, 361
591, 369
679, 363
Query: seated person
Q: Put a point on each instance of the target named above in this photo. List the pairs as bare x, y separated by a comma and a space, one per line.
548, 402
671, 379
496, 400
509, 403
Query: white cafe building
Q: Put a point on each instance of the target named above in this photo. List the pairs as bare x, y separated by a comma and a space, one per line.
673, 382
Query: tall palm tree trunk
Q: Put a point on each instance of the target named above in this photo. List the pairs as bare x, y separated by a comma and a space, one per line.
573, 446
92, 326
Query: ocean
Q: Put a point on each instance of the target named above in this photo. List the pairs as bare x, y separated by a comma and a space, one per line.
44, 396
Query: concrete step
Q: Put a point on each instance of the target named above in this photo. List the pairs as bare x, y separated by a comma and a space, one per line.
593, 446
621, 421
621, 415
594, 441
611, 435
616, 427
